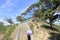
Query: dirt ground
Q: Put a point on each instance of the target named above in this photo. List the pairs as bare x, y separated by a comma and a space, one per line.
39, 33
1, 36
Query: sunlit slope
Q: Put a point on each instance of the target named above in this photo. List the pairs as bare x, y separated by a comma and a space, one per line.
39, 32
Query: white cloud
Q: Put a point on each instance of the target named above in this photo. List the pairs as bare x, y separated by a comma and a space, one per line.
5, 22
57, 13
1, 20
7, 3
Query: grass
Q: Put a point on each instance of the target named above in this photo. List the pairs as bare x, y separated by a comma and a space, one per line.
48, 27
31, 27
9, 31
2, 29
54, 36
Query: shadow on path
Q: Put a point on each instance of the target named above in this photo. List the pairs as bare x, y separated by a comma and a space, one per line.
48, 27
54, 36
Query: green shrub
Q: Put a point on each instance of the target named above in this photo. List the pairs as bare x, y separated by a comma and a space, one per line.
9, 31
31, 27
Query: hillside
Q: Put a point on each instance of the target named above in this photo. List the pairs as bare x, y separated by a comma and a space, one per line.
39, 32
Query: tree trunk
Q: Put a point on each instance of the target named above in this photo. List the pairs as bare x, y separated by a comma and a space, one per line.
50, 23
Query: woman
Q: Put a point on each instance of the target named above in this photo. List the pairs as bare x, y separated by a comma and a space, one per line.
29, 32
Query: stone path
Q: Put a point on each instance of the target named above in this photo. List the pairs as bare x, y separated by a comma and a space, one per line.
40, 33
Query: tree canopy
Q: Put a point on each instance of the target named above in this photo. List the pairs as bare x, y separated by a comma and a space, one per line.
20, 18
44, 9
9, 21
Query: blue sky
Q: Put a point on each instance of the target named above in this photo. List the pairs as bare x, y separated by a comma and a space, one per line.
13, 8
